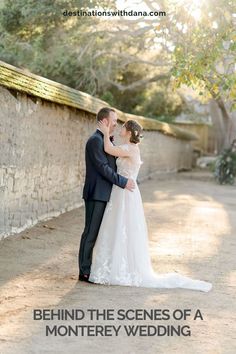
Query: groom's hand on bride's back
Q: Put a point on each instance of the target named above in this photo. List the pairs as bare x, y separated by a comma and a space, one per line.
130, 185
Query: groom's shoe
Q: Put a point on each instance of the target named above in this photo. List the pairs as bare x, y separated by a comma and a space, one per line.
84, 277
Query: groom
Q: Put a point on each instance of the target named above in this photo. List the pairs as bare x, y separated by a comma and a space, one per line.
100, 176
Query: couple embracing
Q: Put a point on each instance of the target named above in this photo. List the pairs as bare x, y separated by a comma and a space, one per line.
114, 245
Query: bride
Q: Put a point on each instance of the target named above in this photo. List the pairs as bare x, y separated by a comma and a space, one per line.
121, 253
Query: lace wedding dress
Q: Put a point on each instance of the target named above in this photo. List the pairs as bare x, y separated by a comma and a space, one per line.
121, 253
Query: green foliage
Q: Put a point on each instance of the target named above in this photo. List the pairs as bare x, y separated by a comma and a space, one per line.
99, 57
36, 35
127, 100
225, 166
69, 50
159, 102
205, 57
156, 100
108, 97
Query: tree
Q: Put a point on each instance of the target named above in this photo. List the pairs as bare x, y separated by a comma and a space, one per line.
129, 62
205, 58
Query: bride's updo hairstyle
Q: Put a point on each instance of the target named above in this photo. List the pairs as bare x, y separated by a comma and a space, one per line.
135, 128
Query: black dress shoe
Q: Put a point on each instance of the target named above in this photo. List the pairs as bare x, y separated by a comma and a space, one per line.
84, 277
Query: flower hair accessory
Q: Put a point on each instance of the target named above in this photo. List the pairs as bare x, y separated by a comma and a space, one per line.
136, 133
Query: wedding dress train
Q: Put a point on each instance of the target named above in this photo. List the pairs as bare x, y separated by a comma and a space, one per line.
121, 253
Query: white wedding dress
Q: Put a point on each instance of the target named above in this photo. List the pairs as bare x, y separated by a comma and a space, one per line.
121, 252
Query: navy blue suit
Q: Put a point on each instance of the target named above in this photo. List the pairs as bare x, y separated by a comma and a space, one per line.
100, 176
100, 170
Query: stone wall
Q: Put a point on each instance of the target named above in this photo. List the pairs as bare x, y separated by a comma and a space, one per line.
203, 130
42, 158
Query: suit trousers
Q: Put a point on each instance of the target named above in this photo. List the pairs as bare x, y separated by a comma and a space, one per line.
94, 210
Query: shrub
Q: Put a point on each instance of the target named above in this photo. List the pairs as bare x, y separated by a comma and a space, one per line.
225, 165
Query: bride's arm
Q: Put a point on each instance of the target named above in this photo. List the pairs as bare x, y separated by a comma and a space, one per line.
109, 147
114, 150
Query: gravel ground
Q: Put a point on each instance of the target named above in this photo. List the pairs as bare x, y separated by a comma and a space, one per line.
192, 229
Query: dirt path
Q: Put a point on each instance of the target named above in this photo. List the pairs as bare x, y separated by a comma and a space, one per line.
192, 230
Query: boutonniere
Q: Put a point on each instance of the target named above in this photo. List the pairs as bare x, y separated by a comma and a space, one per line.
112, 138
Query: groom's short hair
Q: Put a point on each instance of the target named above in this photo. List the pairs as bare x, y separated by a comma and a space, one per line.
104, 113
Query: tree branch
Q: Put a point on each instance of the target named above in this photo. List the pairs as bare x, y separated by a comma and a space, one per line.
138, 83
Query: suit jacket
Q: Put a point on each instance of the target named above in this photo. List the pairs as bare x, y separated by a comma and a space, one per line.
100, 170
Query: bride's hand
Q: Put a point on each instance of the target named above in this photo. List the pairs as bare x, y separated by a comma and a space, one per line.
103, 127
